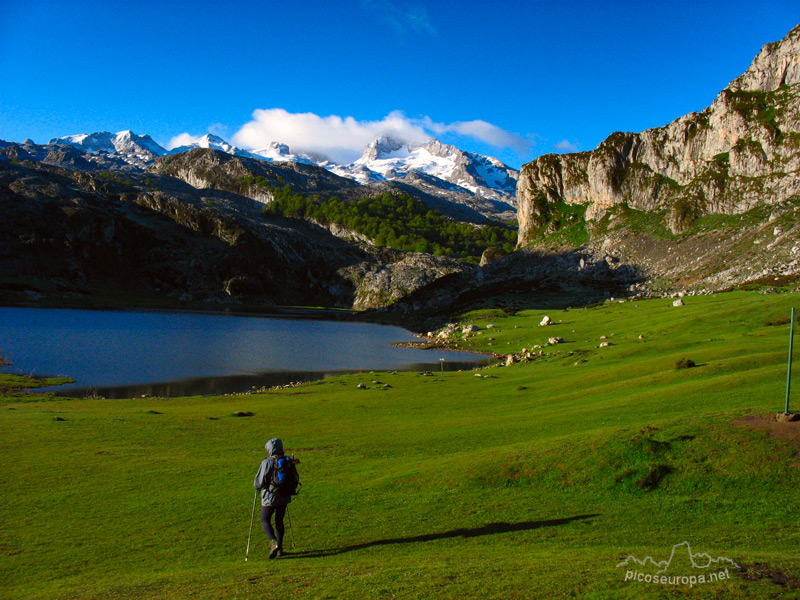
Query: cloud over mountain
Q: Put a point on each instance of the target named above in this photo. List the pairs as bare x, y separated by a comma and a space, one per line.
342, 139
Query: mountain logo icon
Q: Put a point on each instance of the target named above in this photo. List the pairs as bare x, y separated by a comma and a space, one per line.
680, 568
681, 555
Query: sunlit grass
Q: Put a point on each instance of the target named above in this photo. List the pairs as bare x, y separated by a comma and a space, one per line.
532, 482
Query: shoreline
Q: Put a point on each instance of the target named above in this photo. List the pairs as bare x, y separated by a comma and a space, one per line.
426, 344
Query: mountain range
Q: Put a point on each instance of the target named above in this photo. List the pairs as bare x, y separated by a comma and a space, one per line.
440, 170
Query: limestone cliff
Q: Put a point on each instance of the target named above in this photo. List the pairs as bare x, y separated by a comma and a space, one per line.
741, 152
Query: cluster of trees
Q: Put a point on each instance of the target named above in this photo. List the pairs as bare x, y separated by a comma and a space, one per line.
398, 221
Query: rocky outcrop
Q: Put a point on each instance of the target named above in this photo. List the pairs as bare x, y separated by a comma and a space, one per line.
253, 178
384, 284
741, 152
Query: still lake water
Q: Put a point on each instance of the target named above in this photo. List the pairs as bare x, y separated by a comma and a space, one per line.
122, 354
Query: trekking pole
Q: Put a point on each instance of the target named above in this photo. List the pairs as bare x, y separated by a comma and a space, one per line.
252, 515
291, 531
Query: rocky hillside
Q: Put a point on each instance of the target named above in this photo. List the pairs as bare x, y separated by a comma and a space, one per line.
88, 237
692, 202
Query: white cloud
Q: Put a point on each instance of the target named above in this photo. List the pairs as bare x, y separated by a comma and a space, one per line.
483, 131
184, 139
566, 146
342, 139
219, 129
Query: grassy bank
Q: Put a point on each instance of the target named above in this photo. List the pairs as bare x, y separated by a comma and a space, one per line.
532, 481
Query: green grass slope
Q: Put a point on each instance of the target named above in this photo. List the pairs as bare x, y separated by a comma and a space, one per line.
531, 481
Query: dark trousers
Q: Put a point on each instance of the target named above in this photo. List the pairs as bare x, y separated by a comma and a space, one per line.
266, 516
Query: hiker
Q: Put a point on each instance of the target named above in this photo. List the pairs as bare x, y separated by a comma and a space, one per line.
272, 501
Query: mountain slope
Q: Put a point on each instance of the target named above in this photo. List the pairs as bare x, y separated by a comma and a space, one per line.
387, 159
208, 141
740, 156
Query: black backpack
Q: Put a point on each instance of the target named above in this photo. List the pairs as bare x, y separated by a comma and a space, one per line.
285, 479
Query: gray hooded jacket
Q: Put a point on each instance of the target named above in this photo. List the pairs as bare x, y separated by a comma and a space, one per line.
274, 449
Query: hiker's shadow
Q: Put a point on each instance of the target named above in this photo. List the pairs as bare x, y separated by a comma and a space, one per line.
490, 529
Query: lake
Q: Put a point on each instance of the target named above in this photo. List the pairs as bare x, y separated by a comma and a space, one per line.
123, 354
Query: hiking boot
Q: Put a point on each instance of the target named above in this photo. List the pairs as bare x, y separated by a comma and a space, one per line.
274, 549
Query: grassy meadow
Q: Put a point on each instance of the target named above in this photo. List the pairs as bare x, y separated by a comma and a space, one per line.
531, 481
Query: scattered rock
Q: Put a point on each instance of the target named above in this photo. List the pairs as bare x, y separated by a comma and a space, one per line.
555, 340
59, 419
242, 413
361, 386
787, 417
605, 344
545, 321
678, 302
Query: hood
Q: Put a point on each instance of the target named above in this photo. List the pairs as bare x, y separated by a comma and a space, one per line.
274, 447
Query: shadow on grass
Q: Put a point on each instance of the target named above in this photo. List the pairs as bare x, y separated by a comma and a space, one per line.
490, 529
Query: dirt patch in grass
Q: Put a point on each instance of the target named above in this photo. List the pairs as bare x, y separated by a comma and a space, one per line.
781, 577
780, 430
787, 430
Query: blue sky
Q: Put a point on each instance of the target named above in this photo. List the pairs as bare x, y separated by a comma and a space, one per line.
511, 79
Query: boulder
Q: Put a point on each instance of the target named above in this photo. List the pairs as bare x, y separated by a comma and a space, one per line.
545, 321
787, 417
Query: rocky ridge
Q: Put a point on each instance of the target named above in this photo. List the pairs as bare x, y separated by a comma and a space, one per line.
738, 157
463, 185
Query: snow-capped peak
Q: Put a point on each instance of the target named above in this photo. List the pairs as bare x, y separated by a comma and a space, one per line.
388, 159
211, 141
127, 142
383, 148
279, 152
100, 141
132, 148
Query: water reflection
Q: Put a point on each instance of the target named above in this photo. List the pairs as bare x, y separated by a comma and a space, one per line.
120, 354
